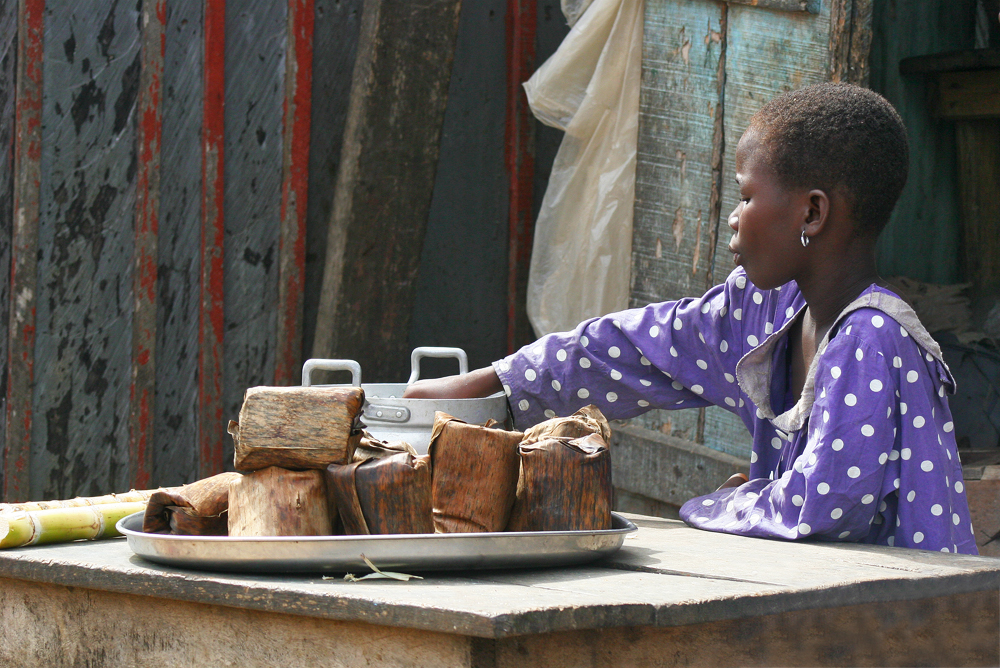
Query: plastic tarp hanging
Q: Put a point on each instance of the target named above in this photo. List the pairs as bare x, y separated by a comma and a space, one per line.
589, 88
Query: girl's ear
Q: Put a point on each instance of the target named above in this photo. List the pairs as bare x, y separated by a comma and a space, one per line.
817, 212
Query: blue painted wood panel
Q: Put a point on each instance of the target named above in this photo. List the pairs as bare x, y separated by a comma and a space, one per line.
673, 227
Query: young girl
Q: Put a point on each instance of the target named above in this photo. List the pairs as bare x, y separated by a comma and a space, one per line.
840, 385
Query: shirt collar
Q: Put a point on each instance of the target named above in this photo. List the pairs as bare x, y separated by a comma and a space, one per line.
754, 370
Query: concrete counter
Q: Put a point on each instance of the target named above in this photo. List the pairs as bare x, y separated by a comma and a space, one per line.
672, 596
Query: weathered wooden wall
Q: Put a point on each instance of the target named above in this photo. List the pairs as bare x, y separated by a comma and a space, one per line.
707, 67
168, 256
923, 239
8, 60
160, 165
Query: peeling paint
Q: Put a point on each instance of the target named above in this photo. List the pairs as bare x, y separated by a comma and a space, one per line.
678, 227
697, 247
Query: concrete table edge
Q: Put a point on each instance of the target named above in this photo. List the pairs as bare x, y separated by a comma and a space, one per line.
214, 589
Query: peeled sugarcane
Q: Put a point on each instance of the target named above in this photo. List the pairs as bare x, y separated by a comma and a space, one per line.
134, 496
62, 525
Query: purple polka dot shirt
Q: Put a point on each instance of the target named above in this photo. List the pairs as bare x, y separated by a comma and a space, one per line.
866, 454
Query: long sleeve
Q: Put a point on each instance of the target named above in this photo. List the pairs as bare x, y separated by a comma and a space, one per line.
875, 460
679, 354
832, 488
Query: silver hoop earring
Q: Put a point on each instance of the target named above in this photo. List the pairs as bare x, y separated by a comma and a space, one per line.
804, 239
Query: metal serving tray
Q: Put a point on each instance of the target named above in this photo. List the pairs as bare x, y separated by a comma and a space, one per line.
406, 552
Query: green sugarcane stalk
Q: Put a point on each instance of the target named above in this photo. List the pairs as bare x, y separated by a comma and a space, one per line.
62, 525
123, 497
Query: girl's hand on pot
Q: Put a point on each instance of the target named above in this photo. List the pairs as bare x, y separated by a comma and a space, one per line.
473, 385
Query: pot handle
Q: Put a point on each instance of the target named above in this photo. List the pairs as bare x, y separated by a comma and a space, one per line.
331, 365
431, 351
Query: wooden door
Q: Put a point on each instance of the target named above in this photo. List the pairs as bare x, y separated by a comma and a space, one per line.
707, 67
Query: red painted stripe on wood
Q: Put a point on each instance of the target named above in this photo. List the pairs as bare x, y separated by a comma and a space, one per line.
520, 159
211, 430
150, 131
24, 251
295, 185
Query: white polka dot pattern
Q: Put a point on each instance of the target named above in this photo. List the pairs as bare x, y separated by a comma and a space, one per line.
876, 419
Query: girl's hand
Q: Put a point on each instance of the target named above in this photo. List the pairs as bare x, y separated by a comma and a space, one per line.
735, 480
473, 385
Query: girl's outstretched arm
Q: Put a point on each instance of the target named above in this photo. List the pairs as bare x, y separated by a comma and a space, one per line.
475, 384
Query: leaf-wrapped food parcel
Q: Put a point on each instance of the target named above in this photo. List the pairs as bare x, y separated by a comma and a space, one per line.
565, 485
383, 495
197, 509
371, 447
297, 427
587, 420
278, 502
475, 475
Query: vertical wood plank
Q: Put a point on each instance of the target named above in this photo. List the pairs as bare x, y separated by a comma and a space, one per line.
979, 175
519, 155
294, 190
8, 83
256, 35
680, 104
211, 326
176, 451
923, 239
385, 182
465, 249
858, 69
768, 53
24, 248
850, 40
86, 240
335, 39
144, 272
681, 147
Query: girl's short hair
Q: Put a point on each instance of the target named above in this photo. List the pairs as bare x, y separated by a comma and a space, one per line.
837, 136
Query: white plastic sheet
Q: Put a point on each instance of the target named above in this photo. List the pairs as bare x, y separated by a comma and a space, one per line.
580, 263
574, 9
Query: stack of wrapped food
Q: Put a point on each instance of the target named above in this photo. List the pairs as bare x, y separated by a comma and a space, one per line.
307, 467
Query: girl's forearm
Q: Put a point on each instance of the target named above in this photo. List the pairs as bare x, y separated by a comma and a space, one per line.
475, 384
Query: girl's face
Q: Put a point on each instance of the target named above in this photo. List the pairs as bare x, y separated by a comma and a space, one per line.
768, 221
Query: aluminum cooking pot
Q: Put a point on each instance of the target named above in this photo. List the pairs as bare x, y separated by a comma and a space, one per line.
391, 418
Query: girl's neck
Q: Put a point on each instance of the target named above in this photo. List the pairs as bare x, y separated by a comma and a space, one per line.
831, 286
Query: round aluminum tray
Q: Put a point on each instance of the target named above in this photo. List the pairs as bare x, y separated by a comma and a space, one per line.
339, 554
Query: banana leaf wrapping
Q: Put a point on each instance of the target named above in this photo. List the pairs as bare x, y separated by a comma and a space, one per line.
383, 495
279, 502
297, 427
198, 509
565, 485
587, 420
475, 475
370, 447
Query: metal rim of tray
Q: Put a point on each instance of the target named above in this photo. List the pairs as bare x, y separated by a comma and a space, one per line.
411, 552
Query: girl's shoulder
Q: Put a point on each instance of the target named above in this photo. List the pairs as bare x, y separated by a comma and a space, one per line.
886, 325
